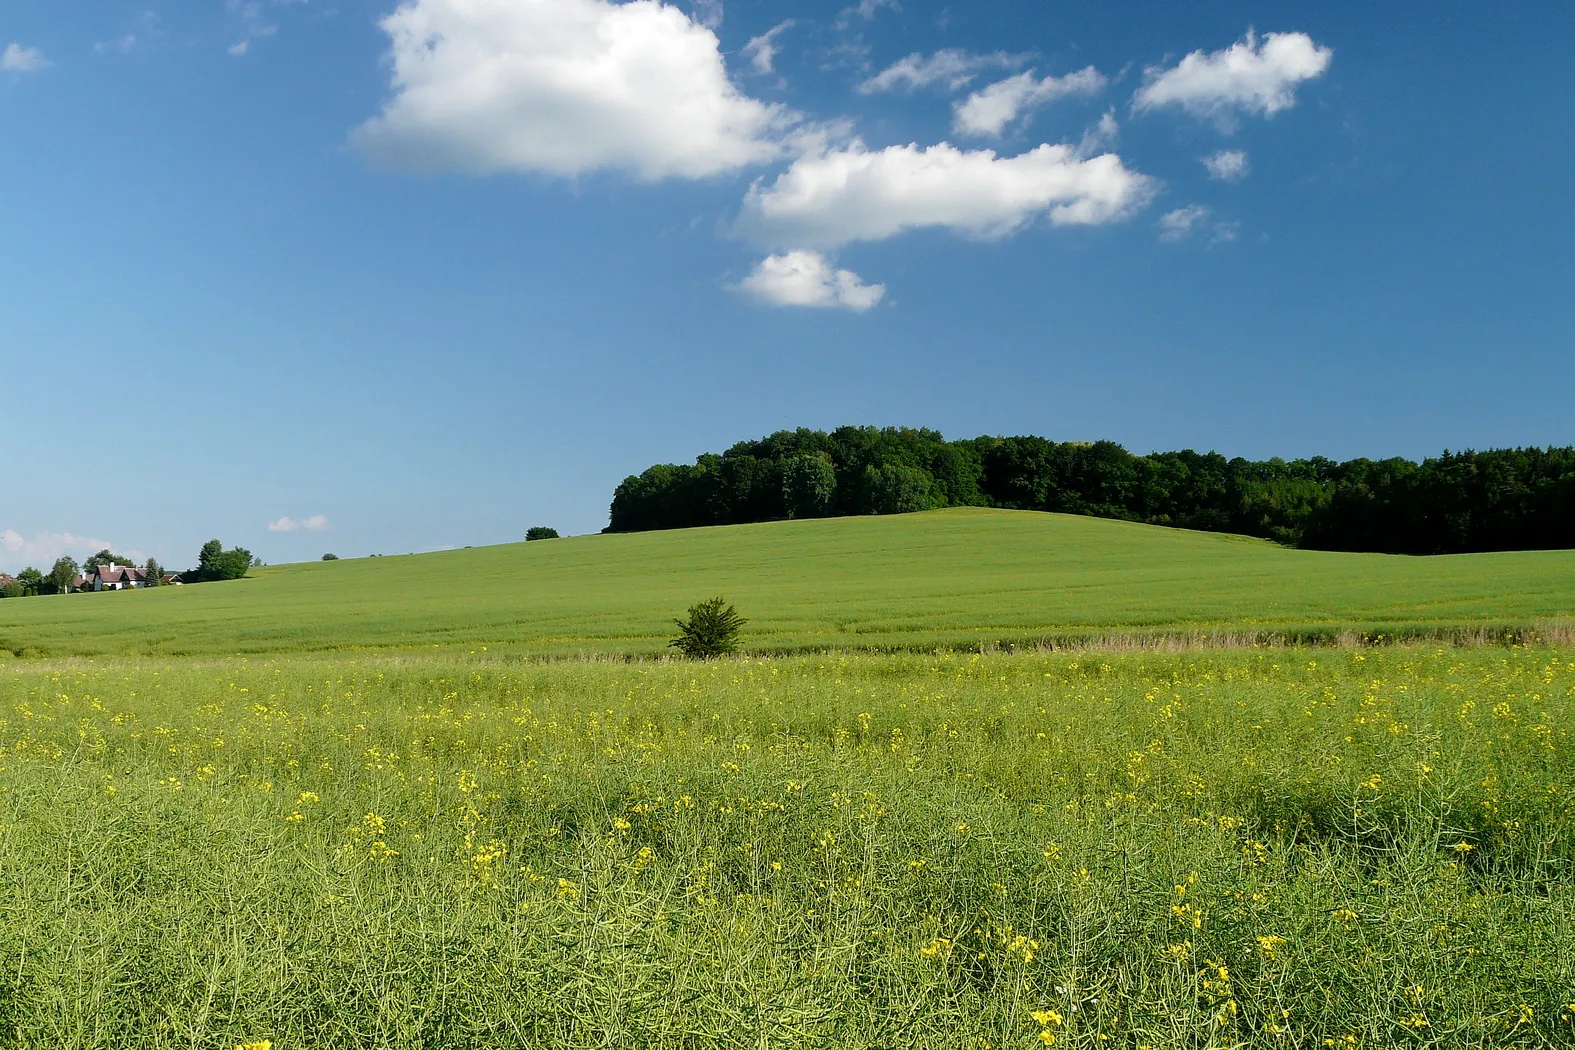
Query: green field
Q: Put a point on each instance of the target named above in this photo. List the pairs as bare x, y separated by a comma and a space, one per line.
950, 578
1281, 848
348, 804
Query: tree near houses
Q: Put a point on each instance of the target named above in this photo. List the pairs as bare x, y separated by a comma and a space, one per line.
62, 574
105, 557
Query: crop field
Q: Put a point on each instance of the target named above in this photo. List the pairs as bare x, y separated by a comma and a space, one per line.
1303, 848
954, 578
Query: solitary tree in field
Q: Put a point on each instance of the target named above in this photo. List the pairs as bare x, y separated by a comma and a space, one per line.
541, 532
330, 557
711, 630
216, 563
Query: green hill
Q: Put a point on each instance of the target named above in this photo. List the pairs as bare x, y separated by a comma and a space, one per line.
952, 577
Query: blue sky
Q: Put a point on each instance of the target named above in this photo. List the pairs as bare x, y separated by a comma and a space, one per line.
397, 277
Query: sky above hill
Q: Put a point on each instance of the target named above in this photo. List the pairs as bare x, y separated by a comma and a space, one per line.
373, 276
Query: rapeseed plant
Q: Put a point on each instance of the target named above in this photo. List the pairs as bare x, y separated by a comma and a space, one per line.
1162, 849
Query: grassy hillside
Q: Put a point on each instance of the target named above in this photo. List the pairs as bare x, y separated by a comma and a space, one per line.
943, 578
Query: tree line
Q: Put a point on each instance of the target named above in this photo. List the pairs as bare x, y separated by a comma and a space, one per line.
1500, 499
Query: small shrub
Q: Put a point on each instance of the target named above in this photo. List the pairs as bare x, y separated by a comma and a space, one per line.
541, 532
712, 630
330, 557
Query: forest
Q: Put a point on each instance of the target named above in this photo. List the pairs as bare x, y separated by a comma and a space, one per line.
1457, 502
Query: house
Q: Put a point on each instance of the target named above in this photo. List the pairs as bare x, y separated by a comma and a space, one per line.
116, 578
171, 579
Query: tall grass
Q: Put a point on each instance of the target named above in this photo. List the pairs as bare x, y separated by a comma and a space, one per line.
1282, 848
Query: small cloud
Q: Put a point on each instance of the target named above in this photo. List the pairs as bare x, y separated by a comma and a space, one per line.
865, 9
1102, 136
806, 278
1228, 165
1252, 75
838, 196
762, 50
708, 13
950, 66
987, 112
315, 523
18, 59
122, 46
1178, 225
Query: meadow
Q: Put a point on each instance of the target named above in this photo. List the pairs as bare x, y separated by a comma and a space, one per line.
954, 579
1271, 847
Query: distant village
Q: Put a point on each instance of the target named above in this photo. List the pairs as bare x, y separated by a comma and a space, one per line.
108, 571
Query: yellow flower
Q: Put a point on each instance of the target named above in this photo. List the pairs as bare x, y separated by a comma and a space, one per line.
1046, 1018
306, 798
1047, 1037
1462, 847
256, 1044
1345, 915
1270, 945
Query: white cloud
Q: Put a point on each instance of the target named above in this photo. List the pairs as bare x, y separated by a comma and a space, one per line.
18, 59
833, 197
868, 9
708, 13
253, 17
762, 50
1178, 225
315, 523
1252, 75
951, 67
565, 87
1102, 136
987, 112
17, 552
1228, 165
806, 278
124, 45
